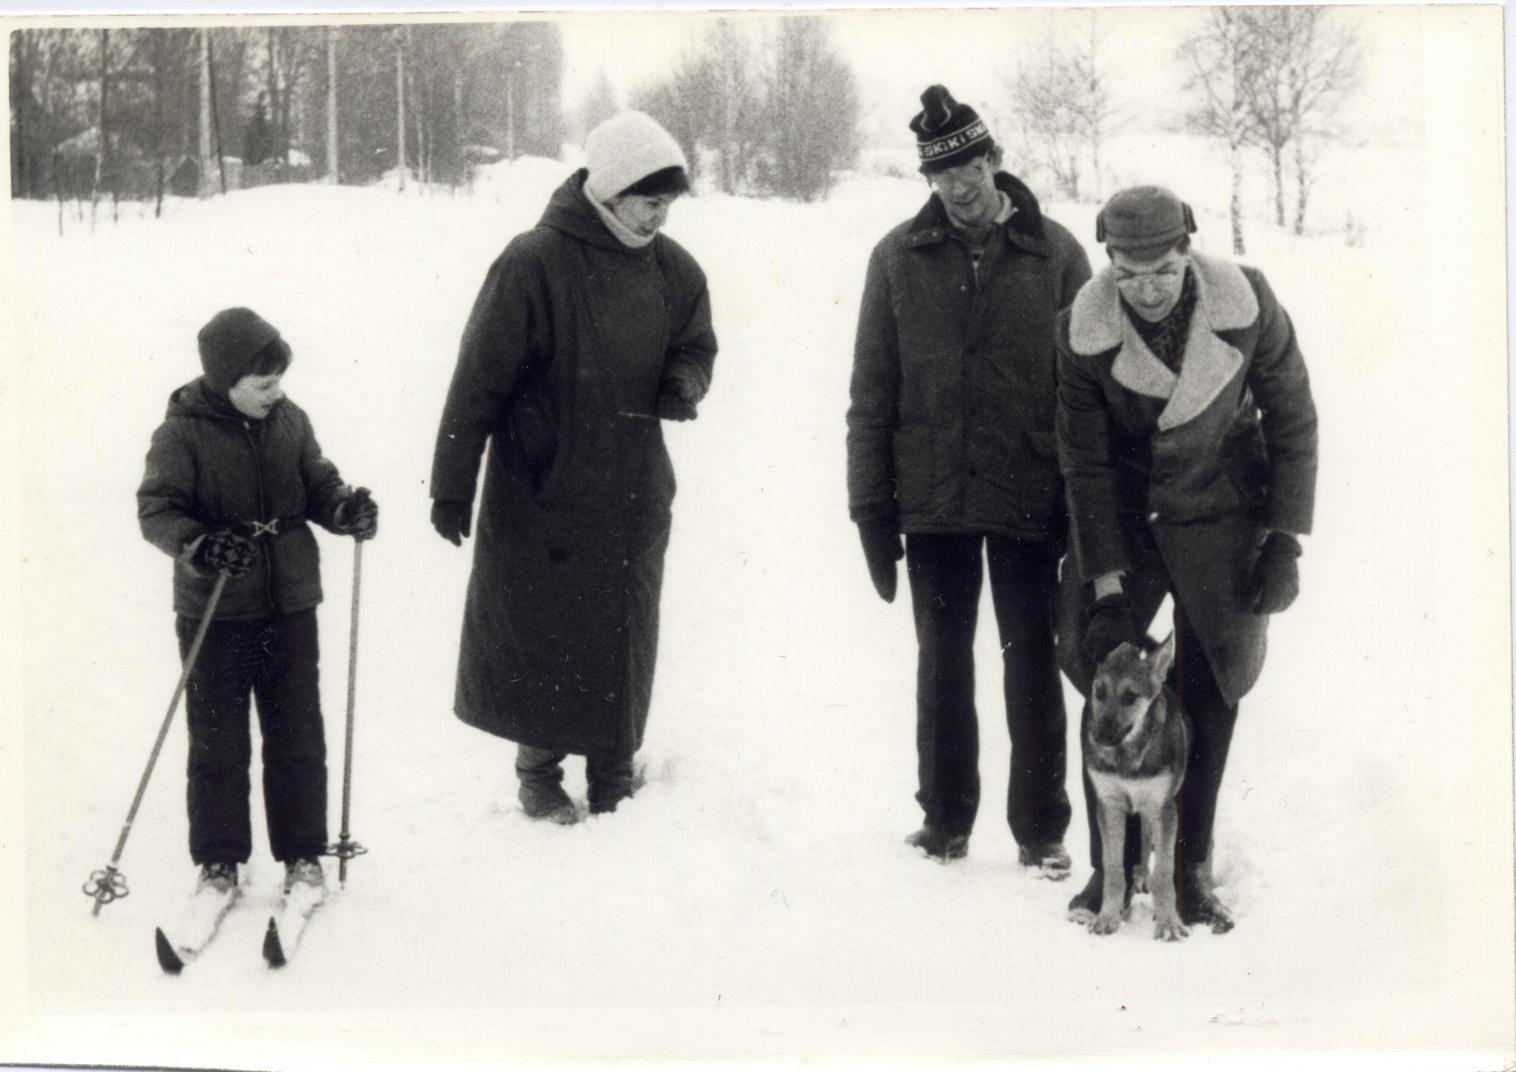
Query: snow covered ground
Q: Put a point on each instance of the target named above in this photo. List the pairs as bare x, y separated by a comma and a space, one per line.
755, 901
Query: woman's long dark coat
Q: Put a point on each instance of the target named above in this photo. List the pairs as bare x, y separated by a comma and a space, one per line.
559, 369
1176, 480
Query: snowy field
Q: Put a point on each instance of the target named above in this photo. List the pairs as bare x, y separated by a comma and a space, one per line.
755, 900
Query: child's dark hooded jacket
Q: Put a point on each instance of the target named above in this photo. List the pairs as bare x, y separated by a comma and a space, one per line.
210, 468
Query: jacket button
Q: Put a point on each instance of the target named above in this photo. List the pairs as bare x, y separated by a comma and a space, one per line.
1153, 516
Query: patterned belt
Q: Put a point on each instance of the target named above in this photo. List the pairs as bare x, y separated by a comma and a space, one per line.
255, 529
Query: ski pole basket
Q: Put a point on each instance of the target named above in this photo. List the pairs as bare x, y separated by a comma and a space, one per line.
109, 884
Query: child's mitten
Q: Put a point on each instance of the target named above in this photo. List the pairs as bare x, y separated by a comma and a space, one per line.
225, 551
358, 515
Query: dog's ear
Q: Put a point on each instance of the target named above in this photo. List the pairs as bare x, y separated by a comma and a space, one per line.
1162, 659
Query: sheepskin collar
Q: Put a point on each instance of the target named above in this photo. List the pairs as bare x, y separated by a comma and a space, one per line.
1224, 302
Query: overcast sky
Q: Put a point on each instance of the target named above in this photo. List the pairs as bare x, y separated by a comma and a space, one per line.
895, 54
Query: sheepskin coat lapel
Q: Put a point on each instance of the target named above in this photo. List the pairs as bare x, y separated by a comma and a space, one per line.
1224, 302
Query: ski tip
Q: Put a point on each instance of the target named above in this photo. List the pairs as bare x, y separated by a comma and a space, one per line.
168, 960
273, 949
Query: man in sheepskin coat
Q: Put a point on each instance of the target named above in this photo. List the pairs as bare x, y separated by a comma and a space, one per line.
1187, 439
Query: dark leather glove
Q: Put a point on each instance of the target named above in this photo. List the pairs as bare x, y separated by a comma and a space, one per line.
358, 515
882, 548
452, 519
1276, 575
1112, 622
225, 551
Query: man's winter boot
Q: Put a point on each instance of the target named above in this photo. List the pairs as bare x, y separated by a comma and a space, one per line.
1198, 902
939, 844
1050, 859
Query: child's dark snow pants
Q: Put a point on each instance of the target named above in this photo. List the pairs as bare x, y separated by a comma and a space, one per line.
275, 661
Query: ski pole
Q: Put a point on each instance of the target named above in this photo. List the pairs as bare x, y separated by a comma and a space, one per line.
109, 884
346, 848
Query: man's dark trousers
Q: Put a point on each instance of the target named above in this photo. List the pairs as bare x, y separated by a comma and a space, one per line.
946, 573
274, 661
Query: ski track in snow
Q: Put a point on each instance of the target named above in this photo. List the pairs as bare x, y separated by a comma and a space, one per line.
763, 862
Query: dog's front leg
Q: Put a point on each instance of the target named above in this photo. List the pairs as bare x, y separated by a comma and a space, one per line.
1112, 854
1166, 924
1140, 880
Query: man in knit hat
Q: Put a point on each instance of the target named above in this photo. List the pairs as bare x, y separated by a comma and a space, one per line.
1187, 435
590, 329
950, 443
233, 481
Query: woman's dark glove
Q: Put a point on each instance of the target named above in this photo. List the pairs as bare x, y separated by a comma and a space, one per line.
358, 515
882, 548
225, 551
1112, 623
682, 389
1276, 575
452, 520
672, 406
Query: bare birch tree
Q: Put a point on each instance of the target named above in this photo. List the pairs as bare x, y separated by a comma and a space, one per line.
598, 105
1218, 59
1064, 105
331, 105
1306, 66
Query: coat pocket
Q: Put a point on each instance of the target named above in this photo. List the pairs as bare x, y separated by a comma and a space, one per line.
1028, 488
915, 465
1044, 444
534, 430
1246, 459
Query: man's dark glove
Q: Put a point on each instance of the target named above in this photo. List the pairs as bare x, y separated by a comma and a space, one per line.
225, 551
1276, 575
1112, 623
882, 548
452, 520
358, 515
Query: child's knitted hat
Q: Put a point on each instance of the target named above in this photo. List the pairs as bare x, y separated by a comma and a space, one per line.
229, 342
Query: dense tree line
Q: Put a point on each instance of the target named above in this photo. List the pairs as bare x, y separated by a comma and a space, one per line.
136, 112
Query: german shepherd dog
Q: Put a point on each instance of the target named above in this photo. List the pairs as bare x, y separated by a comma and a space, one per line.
1136, 743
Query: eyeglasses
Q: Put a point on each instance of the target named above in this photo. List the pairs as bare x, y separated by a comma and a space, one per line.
971, 174
1163, 279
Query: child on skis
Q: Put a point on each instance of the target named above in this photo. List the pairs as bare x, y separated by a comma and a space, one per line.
234, 476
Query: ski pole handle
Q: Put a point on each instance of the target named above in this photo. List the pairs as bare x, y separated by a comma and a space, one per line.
108, 885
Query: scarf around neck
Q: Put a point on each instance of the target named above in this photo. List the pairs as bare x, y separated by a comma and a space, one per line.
1167, 337
624, 234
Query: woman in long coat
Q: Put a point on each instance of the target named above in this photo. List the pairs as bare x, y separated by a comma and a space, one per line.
1187, 440
589, 328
